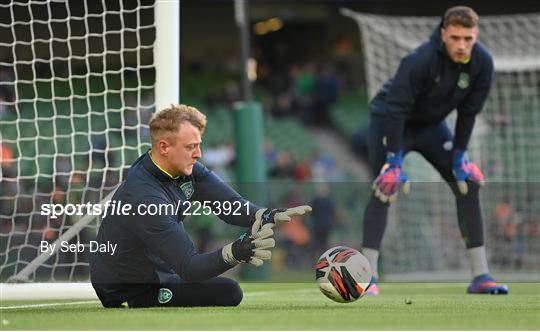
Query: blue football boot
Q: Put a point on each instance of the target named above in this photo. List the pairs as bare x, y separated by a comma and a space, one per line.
485, 284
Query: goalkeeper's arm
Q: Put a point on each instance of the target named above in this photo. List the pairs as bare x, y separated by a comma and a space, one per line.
465, 170
167, 239
209, 187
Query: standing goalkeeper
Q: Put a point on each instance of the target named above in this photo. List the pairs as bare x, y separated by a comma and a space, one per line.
450, 71
155, 263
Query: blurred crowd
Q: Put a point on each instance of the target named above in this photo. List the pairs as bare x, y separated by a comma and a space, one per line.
512, 233
305, 91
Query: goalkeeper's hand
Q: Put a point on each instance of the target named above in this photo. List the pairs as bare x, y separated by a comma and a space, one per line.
268, 218
464, 171
250, 248
390, 179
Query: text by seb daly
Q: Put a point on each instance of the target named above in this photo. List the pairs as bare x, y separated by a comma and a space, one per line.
78, 247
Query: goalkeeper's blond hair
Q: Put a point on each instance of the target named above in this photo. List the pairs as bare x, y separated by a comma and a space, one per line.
166, 123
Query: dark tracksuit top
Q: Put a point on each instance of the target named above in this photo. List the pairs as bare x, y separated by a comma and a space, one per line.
428, 85
150, 249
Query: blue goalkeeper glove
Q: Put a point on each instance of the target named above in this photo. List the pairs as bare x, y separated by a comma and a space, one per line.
391, 178
465, 170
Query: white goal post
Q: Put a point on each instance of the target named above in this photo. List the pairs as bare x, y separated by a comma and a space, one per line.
78, 83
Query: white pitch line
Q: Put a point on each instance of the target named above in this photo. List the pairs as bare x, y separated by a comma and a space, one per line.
295, 291
44, 305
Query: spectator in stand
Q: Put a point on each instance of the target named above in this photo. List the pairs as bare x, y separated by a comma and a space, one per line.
325, 93
324, 216
6, 160
270, 153
284, 167
295, 235
282, 106
303, 90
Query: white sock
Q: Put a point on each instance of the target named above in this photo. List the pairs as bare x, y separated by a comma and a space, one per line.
478, 260
372, 256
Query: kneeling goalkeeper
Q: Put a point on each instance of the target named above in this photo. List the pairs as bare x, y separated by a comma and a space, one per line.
155, 263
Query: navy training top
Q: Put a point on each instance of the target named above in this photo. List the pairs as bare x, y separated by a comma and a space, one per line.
150, 248
428, 85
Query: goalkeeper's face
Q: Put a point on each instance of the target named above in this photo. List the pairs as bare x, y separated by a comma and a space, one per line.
459, 42
186, 150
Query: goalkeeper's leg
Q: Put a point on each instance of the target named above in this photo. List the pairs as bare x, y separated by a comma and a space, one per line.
376, 212
436, 149
375, 217
219, 291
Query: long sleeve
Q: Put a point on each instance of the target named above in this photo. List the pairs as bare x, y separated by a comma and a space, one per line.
406, 86
211, 188
473, 104
166, 238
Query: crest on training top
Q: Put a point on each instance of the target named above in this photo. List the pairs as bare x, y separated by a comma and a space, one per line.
165, 295
187, 189
463, 81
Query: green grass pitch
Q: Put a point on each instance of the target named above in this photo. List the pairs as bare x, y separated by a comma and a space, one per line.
282, 306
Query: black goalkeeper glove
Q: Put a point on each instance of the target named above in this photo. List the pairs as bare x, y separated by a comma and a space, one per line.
250, 248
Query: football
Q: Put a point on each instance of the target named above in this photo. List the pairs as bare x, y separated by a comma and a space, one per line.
343, 274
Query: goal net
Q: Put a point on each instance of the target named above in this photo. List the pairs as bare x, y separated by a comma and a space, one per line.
423, 233
77, 83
